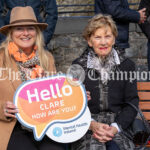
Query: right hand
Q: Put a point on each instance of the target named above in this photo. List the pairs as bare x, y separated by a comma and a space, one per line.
142, 15
101, 131
10, 110
88, 95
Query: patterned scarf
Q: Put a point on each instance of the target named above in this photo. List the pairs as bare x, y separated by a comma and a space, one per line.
29, 66
103, 66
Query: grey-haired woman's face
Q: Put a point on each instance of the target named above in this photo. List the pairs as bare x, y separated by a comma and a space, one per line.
102, 41
24, 37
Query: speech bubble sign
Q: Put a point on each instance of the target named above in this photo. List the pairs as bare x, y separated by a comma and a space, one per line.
45, 102
70, 131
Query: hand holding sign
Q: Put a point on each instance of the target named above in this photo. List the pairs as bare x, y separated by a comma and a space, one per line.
49, 102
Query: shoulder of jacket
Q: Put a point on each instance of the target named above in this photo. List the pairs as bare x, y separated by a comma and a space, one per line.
128, 61
2, 56
2, 53
128, 65
2, 50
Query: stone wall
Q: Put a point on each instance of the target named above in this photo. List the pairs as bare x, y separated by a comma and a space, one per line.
68, 43
66, 48
138, 50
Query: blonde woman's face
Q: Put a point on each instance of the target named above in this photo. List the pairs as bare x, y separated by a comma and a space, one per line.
24, 37
102, 41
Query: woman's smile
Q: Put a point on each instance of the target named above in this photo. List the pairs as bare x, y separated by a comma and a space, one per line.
24, 37
103, 48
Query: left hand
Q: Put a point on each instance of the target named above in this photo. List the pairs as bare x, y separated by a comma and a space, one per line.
113, 130
102, 132
10, 110
142, 13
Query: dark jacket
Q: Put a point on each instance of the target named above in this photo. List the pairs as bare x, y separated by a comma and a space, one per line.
2, 23
122, 15
119, 91
50, 13
145, 27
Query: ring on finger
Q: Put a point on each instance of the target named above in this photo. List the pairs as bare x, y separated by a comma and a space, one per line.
6, 110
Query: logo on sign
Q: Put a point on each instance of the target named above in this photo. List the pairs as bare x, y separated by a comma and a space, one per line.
50, 103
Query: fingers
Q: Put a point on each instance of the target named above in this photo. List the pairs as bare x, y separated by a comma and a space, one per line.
10, 109
105, 133
10, 105
9, 115
102, 139
102, 132
114, 130
142, 15
106, 127
143, 9
88, 95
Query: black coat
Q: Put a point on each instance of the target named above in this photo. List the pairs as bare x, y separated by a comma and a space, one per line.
121, 14
145, 27
119, 92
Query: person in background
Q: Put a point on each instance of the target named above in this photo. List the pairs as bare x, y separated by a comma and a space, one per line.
1, 19
49, 12
22, 52
145, 27
122, 15
107, 78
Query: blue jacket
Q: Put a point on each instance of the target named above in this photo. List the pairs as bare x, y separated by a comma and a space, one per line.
121, 14
50, 13
146, 25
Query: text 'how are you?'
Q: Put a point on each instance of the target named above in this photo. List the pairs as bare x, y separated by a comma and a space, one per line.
53, 107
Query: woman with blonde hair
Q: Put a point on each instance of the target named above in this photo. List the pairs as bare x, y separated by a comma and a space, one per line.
22, 58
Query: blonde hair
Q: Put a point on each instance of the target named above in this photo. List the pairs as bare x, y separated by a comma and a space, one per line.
99, 21
39, 43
